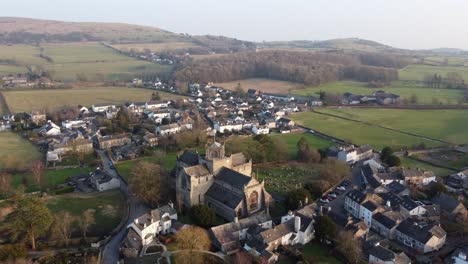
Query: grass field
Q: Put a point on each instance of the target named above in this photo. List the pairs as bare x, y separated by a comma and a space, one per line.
447, 125
405, 90
414, 164
155, 47
357, 133
264, 85
125, 168
52, 178
416, 72
27, 100
16, 152
439, 60
90, 59
452, 159
293, 138
107, 207
12, 69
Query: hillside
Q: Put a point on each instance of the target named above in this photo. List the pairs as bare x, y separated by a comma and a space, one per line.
354, 44
15, 30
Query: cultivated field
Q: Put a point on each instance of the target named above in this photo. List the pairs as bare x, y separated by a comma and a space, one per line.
91, 60
16, 152
447, 125
264, 85
404, 89
27, 100
357, 133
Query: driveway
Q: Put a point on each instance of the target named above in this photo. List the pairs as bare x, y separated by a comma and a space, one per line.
136, 208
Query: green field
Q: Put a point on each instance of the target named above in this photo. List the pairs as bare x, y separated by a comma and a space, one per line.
125, 168
52, 178
414, 164
447, 125
28, 100
292, 139
357, 133
107, 206
90, 59
404, 89
416, 72
16, 152
11, 69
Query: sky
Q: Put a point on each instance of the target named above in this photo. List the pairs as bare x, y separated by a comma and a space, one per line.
412, 24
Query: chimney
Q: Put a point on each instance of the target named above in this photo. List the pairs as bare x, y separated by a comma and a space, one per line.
236, 219
297, 224
171, 204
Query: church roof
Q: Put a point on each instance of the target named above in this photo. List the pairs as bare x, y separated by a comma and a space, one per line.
197, 170
225, 196
238, 159
233, 178
189, 157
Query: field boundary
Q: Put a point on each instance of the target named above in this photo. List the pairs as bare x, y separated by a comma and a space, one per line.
387, 128
4, 105
403, 107
432, 164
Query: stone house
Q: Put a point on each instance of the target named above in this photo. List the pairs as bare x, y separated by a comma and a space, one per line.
418, 177
170, 129
451, 207
38, 117
102, 181
101, 108
150, 139
421, 237
381, 255
108, 142
352, 154
383, 225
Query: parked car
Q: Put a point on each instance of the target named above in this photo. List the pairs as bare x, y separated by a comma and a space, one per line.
332, 195
324, 200
341, 188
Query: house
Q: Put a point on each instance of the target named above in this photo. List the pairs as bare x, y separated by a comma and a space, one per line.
108, 142
38, 117
383, 225
458, 181
101, 108
150, 140
352, 154
156, 104
284, 122
252, 93
421, 237
102, 181
451, 207
136, 107
366, 211
159, 221
73, 123
380, 255
353, 200
228, 237
49, 130
351, 99
412, 208
459, 256
78, 145
224, 126
268, 122
5, 125
257, 130
418, 177
170, 129
397, 188
385, 98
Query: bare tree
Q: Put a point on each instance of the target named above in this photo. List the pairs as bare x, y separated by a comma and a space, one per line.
86, 220
63, 226
37, 170
146, 182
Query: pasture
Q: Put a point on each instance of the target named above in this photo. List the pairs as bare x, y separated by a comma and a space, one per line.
416, 72
91, 60
27, 100
407, 162
16, 152
107, 208
404, 89
357, 133
11, 69
447, 125
264, 85
292, 139
154, 47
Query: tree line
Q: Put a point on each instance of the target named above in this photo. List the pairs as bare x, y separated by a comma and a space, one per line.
310, 68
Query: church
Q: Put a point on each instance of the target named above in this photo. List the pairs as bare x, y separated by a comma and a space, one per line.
223, 183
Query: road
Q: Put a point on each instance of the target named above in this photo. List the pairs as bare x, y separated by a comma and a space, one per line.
111, 250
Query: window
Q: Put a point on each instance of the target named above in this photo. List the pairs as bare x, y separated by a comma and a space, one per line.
253, 201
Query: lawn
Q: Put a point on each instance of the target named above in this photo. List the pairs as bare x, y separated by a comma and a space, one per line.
357, 133
292, 139
52, 178
416, 72
405, 89
414, 164
16, 152
264, 85
107, 207
92, 60
125, 168
447, 125
317, 253
28, 100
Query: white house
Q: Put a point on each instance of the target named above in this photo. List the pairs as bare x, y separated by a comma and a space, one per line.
170, 129
353, 200
151, 224
100, 108
156, 104
227, 126
257, 130
50, 129
69, 124
366, 210
351, 154
103, 181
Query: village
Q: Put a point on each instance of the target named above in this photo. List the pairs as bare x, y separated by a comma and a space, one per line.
394, 214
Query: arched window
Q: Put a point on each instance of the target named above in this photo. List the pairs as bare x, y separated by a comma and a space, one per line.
253, 201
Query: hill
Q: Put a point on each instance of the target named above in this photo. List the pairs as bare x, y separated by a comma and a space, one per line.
354, 44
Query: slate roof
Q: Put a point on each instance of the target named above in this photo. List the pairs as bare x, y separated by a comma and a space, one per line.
189, 157
382, 253
396, 187
446, 202
421, 233
356, 196
369, 206
394, 199
384, 220
278, 231
408, 204
233, 178
225, 196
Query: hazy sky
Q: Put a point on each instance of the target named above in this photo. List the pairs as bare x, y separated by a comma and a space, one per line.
400, 23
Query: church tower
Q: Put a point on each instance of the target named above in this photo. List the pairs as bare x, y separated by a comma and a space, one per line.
215, 151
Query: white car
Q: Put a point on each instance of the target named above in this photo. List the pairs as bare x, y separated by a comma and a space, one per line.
324, 200
332, 195
341, 188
